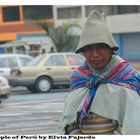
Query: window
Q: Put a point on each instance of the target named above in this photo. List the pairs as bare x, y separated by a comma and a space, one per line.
24, 61
3, 63
9, 50
36, 60
106, 9
130, 46
20, 49
34, 12
12, 62
69, 12
34, 49
11, 13
9, 62
75, 59
127, 9
55, 61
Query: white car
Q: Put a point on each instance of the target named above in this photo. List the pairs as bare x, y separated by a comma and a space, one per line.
8, 61
4, 88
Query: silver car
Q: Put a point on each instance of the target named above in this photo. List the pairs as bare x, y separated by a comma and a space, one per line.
47, 71
4, 88
8, 61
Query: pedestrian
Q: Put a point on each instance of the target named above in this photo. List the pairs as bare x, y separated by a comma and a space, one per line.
51, 50
43, 51
104, 95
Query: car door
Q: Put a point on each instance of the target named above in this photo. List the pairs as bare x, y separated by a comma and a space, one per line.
57, 67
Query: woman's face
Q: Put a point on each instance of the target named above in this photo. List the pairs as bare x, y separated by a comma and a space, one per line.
98, 55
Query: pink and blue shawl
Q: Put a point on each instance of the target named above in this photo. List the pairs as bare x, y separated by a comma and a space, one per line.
122, 75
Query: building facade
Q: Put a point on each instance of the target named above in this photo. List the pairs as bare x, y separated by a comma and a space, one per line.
20, 34
123, 22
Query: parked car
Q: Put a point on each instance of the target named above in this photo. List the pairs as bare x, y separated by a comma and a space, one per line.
8, 61
4, 88
46, 71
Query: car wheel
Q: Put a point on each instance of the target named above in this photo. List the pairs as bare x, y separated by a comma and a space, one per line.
43, 84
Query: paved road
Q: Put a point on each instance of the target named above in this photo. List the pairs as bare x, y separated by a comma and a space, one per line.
28, 114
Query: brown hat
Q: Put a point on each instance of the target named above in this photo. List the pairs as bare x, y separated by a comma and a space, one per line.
96, 31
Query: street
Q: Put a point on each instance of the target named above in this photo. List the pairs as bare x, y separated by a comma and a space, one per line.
25, 113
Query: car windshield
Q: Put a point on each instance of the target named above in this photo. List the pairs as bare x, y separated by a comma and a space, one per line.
25, 60
36, 60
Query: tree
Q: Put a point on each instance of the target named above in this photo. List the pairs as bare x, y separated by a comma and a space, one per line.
64, 40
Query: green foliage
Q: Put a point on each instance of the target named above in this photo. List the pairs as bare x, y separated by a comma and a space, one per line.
63, 40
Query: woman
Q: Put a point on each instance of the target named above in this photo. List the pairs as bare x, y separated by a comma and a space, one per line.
104, 91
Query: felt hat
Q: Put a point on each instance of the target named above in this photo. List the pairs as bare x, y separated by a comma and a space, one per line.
96, 31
